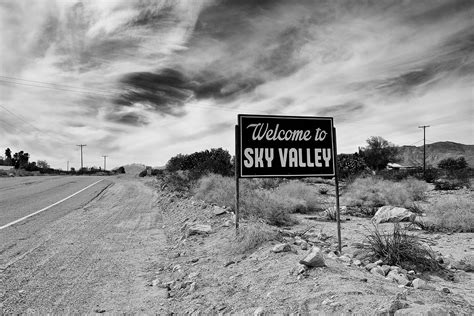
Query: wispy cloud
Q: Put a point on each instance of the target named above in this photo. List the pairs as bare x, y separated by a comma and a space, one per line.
145, 80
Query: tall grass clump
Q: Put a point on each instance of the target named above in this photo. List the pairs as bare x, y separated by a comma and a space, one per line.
452, 214
371, 193
217, 189
398, 248
305, 197
254, 202
251, 236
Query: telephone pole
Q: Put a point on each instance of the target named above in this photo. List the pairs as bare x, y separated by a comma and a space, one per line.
105, 162
424, 148
81, 145
67, 168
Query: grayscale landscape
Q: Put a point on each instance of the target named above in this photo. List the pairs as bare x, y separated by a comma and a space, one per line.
246, 157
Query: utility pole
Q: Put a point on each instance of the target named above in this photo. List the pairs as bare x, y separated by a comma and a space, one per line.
67, 168
105, 162
81, 145
424, 148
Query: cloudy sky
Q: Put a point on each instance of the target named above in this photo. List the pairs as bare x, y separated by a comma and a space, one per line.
141, 81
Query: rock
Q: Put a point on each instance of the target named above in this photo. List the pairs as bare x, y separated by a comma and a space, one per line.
392, 214
393, 307
302, 269
377, 271
345, 258
399, 278
463, 265
192, 287
425, 310
421, 284
386, 269
218, 211
193, 275
228, 263
199, 229
314, 258
304, 245
378, 262
227, 223
361, 254
357, 263
370, 266
281, 248
446, 290
364, 280
259, 311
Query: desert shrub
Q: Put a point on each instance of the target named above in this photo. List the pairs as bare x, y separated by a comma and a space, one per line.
266, 183
216, 189
251, 236
178, 181
216, 160
450, 214
453, 163
331, 213
254, 202
323, 191
303, 196
3, 173
143, 173
371, 193
398, 248
274, 209
350, 165
431, 175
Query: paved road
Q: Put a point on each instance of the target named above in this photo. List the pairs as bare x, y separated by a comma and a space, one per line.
91, 253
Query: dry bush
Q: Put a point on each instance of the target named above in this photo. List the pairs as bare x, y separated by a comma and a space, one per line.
254, 202
401, 249
450, 214
304, 197
251, 236
217, 189
371, 193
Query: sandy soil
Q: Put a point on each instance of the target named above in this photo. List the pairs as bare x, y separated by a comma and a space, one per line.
202, 279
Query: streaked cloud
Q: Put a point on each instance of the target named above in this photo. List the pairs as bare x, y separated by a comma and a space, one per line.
141, 81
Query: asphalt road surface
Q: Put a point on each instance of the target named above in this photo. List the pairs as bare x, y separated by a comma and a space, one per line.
92, 252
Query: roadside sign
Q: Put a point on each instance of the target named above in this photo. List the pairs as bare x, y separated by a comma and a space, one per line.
285, 146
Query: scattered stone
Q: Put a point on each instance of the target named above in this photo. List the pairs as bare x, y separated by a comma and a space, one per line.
218, 211
327, 301
345, 258
314, 258
377, 271
424, 310
302, 269
192, 288
357, 262
411, 272
446, 290
194, 260
99, 310
228, 263
378, 262
386, 269
392, 214
199, 229
193, 275
399, 278
421, 284
370, 266
394, 306
304, 245
463, 265
259, 311
364, 280
281, 248
227, 223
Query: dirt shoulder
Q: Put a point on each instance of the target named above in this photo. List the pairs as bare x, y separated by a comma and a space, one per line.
204, 276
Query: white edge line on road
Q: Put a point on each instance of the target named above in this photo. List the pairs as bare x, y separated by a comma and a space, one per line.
48, 207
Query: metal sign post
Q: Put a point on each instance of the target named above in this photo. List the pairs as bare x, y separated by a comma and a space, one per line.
336, 183
237, 176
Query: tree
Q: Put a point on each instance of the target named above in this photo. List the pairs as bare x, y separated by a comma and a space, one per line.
452, 164
350, 165
20, 160
379, 153
43, 164
8, 158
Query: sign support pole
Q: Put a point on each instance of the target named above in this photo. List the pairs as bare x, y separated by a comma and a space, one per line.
237, 176
336, 180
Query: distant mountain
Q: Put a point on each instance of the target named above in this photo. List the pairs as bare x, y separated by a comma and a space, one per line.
413, 156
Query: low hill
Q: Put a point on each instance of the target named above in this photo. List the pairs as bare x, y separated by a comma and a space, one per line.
435, 152
134, 168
